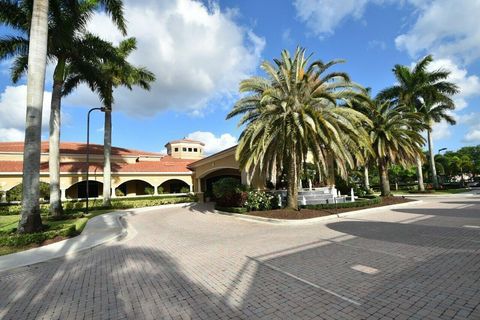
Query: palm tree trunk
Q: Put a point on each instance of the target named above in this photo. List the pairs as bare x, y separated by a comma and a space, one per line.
292, 199
366, 179
56, 209
30, 220
107, 150
421, 186
384, 182
433, 169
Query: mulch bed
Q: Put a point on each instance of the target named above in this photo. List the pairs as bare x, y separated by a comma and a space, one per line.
309, 213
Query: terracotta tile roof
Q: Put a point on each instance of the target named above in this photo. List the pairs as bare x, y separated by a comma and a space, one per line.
166, 164
76, 148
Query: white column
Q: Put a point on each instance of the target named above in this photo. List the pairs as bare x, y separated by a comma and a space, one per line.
4, 196
63, 195
245, 178
191, 187
155, 190
113, 193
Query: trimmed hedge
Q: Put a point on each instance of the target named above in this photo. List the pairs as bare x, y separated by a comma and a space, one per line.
356, 204
231, 209
17, 240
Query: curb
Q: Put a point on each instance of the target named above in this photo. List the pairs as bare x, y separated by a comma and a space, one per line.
124, 229
291, 222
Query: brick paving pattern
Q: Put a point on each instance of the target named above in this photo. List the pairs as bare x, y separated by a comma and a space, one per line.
417, 262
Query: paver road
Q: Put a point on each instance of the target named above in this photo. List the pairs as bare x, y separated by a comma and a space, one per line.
417, 262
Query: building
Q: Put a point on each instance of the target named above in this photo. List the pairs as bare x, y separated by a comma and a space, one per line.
134, 172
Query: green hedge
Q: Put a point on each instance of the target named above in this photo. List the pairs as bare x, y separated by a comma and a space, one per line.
231, 209
26, 239
356, 204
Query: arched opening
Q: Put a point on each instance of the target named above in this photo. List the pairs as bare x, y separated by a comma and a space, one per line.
79, 190
134, 188
174, 186
208, 180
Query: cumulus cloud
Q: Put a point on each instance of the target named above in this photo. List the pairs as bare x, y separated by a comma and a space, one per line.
213, 143
13, 102
323, 16
446, 28
197, 52
471, 121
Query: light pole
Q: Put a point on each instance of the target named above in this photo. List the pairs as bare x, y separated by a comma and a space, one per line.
440, 150
88, 150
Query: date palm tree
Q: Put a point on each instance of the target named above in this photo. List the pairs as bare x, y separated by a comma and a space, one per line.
395, 137
68, 44
414, 86
298, 108
30, 220
106, 75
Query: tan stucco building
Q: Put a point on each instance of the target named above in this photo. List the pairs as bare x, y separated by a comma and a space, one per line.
134, 172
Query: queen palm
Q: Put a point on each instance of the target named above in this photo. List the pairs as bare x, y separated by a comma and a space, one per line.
106, 75
30, 220
395, 137
68, 44
414, 86
292, 111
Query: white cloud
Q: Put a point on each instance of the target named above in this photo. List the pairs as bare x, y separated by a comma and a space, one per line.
323, 16
13, 103
198, 54
471, 121
469, 85
213, 144
441, 130
446, 28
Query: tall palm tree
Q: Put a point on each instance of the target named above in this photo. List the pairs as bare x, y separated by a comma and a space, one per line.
294, 110
30, 220
395, 137
68, 44
435, 109
414, 85
103, 78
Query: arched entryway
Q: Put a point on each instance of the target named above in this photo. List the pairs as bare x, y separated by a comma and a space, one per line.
174, 186
134, 188
79, 190
208, 180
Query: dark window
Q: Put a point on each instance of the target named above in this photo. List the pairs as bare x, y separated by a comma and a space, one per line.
195, 150
189, 149
176, 149
184, 149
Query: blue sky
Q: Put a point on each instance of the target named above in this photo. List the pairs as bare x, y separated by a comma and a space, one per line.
199, 52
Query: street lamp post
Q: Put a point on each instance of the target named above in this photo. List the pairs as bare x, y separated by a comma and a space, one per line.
442, 149
88, 151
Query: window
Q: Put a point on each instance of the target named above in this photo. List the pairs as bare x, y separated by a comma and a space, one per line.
189, 149
176, 149
195, 150
184, 149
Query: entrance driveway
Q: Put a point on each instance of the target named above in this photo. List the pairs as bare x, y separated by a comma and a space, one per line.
418, 262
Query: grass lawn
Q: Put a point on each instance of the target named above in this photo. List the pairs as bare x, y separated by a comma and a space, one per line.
8, 226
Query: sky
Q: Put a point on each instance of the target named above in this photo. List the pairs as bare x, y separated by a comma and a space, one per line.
201, 50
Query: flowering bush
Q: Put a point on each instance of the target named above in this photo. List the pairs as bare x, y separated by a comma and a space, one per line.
259, 201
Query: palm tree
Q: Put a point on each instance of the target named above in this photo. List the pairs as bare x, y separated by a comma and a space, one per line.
103, 78
30, 220
68, 44
292, 111
414, 85
395, 137
435, 109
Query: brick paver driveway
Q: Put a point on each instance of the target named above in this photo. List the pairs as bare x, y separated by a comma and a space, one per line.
418, 262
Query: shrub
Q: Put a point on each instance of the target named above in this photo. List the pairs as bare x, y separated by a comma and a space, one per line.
119, 193
185, 190
15, 194
231, 209
26, 239
229, 192
259, 201
160, 190
356, 204
149, 190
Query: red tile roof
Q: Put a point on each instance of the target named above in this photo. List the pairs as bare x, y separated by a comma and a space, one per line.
166, 164
76, 148
185, 141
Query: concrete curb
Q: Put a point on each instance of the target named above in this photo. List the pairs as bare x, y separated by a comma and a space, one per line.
286, 222
98, 231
